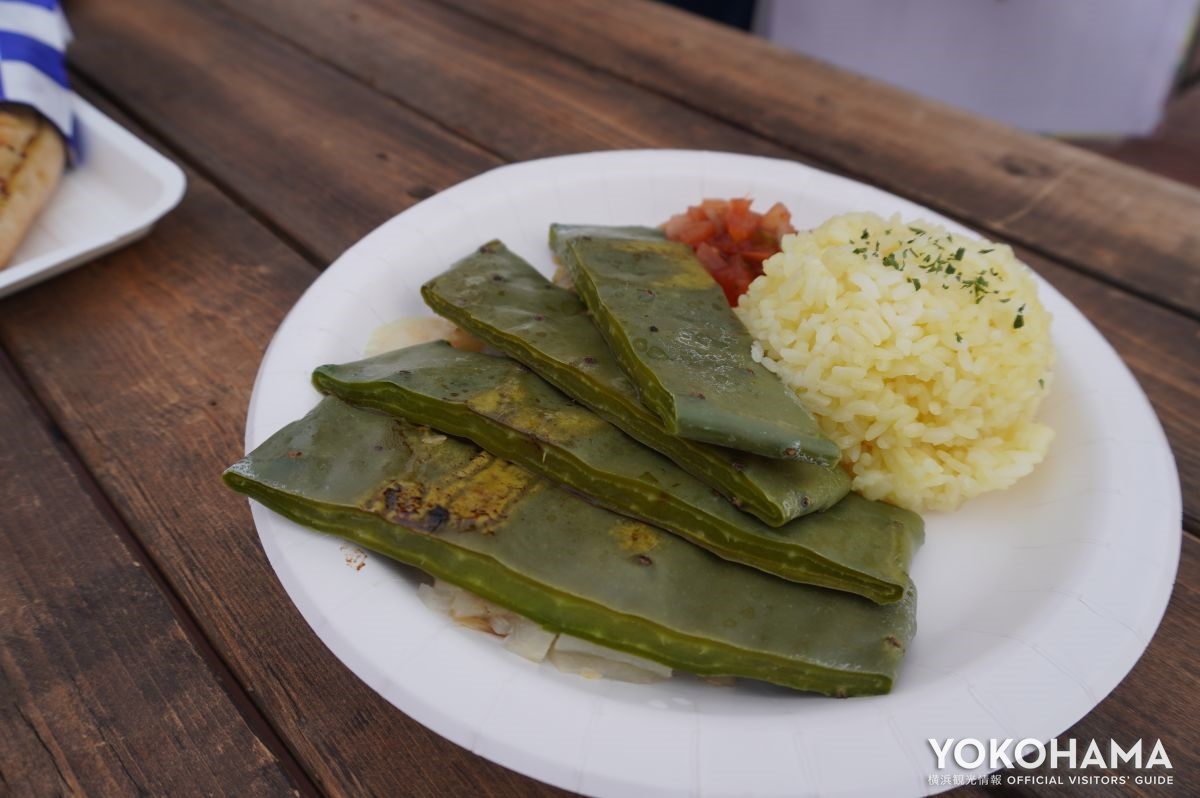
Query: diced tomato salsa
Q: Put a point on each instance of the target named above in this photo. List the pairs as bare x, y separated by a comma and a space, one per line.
731, 240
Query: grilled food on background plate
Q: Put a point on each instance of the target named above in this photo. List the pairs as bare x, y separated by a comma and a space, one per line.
32, 159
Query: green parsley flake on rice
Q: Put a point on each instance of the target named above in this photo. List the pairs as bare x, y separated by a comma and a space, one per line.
924, 354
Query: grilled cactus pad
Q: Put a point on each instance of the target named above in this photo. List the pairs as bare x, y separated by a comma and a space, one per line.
498, 297
858, 546
678, 340
497, 530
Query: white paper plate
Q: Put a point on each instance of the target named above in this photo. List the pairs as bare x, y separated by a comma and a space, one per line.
1034, 603
118, 191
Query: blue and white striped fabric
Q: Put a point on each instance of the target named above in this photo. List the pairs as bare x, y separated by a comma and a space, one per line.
33, 70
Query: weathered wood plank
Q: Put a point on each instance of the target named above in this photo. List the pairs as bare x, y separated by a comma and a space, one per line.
322, 155
1134, 228
102, 692
487, 85
520, 102
176, 325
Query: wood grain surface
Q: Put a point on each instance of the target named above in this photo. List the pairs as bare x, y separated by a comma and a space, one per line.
102, 693
1130, 226
305, 125
488, 86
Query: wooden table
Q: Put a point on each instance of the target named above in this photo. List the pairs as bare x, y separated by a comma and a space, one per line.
147, 645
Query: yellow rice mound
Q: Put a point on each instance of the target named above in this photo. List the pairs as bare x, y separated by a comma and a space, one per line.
923, 354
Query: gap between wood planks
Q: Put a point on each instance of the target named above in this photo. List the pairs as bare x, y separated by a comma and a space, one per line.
236, 692
233, 689
108, 692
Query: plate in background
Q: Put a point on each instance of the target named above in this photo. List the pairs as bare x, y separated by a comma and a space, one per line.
114, 196
1033, 602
